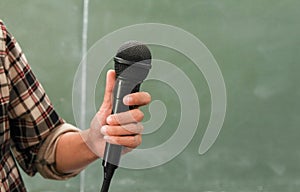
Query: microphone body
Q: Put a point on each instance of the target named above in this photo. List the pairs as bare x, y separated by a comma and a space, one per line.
132, 64
122, 88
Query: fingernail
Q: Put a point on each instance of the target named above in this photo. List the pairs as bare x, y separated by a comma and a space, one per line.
127, 100
106, 137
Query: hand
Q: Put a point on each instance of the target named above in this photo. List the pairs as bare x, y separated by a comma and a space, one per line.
122, 128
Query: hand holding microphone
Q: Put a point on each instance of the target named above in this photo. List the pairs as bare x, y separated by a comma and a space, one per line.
122, 128
117, 123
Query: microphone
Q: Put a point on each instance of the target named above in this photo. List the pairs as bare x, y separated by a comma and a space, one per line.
132, 65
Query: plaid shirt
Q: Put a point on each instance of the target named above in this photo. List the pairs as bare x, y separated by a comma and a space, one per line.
27, 117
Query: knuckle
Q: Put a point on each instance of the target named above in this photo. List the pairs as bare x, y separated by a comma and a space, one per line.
128, 128
109, 131
114, 119
134, 128
139, 128
117, 140
133, 98
104, 109
138, 115
131, 142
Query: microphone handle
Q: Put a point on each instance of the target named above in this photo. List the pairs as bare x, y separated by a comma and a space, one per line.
112, 153
122, 88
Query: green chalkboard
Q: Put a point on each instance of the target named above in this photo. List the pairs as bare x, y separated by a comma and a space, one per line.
256, 45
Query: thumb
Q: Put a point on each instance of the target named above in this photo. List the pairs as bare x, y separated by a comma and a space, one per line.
110, 82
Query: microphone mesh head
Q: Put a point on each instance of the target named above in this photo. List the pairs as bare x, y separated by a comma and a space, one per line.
132, 52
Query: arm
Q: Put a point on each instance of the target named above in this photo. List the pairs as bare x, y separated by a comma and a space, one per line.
72, 153
75, 150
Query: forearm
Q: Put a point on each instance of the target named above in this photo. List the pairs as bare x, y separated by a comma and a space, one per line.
72, 153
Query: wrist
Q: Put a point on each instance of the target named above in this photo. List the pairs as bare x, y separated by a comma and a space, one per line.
72, 153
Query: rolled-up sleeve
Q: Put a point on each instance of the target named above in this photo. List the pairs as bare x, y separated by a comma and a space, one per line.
45, 162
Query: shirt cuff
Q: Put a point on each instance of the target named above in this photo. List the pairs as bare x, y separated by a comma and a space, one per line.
45, 163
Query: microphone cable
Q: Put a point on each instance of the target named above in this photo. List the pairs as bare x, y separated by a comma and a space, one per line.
109, 170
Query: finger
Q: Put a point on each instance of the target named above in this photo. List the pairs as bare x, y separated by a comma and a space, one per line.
138, 98
131, 116
110, 82
129, 129
126, 150
126, 141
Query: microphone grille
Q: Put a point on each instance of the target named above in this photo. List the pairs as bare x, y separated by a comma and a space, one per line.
134, 51
130, 53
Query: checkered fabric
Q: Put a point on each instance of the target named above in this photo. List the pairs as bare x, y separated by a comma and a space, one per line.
26, 115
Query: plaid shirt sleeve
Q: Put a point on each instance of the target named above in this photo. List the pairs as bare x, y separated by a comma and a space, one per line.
33, 123
29, 126
31, 115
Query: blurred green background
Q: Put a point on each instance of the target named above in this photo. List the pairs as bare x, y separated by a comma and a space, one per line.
256, 44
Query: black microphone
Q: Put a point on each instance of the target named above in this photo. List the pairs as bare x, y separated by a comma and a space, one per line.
132, 65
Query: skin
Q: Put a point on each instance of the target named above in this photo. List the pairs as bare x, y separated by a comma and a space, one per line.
72, 152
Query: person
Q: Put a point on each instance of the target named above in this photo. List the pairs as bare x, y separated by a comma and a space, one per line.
33, 135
